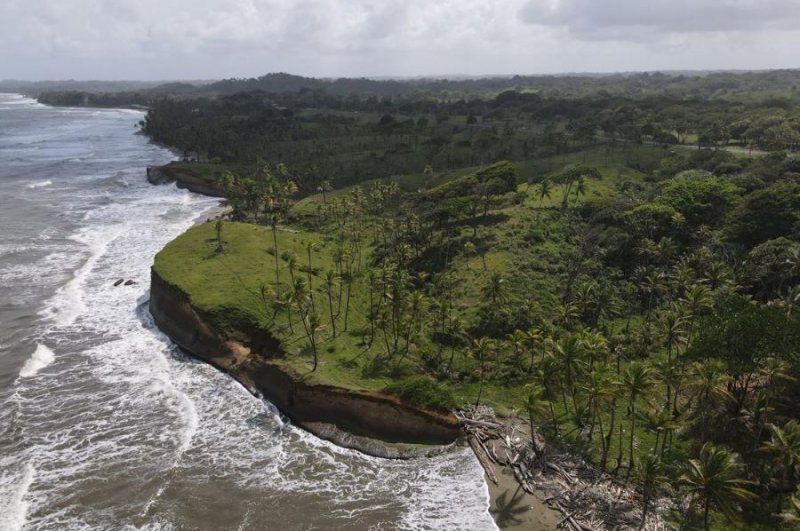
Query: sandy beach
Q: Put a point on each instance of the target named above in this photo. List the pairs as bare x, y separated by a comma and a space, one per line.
513, 508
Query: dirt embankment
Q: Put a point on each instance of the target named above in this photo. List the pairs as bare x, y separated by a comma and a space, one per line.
182, 179
372, 422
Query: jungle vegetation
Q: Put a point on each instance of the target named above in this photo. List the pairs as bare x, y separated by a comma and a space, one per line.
607, 265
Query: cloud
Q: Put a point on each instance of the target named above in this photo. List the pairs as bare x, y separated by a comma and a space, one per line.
635, 19
169, 39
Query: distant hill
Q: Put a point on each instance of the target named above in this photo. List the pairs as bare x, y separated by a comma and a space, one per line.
699, 85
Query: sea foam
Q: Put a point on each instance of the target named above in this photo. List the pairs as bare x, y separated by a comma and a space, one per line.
14, 512
41, 358
67, 303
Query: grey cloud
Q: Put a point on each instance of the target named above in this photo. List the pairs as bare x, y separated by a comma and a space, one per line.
222, 38
632, 19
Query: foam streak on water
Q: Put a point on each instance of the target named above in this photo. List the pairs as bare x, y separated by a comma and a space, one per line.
41, 358
103, 422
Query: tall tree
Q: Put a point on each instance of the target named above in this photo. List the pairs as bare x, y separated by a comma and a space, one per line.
637, 379
714, 479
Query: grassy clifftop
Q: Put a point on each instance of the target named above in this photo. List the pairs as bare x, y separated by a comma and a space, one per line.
331, 263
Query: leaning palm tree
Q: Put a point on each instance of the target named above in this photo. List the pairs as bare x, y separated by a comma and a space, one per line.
637, 380
313, 325
298, 297
714, 479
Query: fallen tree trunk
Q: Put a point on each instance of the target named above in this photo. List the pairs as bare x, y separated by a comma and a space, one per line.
483, 459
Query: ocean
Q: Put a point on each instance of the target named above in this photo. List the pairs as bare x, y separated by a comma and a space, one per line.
104, 423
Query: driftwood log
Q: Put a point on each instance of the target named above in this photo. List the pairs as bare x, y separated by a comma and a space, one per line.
587, 498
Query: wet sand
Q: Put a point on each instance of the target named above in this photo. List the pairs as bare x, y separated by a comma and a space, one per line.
513, 508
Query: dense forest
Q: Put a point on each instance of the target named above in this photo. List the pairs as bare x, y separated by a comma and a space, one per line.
616, 257
348, 139
731, 86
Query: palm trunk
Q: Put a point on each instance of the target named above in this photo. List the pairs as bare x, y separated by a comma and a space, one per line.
289, 311
277, 263
630, 443
347, 304
330, 311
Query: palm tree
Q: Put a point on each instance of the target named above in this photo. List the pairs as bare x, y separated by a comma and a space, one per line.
784, 444
697, 300
455, 331
218, 230
549, 375
566, 314
580, 188
347, 278
673, 324
609, 390
274, 226
313, 325
792, 516
652, 478
291, 262
595, 389
718, 274
482, 349
570, 353
637, 380
310, 246
518, 342
298, 297
285, 300
533, 338
330, 279
661, 422
707, 386
495, 289
595, 344
536, 405
324, 187
545, 190
714, 479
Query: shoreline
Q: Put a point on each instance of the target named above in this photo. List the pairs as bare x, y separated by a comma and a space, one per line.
507, 503
374, 423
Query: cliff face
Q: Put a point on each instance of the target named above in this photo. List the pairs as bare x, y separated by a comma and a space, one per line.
354, 419
182, 179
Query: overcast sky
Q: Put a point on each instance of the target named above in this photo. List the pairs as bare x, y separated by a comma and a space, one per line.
205, 39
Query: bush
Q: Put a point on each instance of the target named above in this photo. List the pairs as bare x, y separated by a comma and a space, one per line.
424, 392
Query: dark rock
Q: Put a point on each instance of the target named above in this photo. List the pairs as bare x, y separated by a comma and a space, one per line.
118, 282
130, 282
